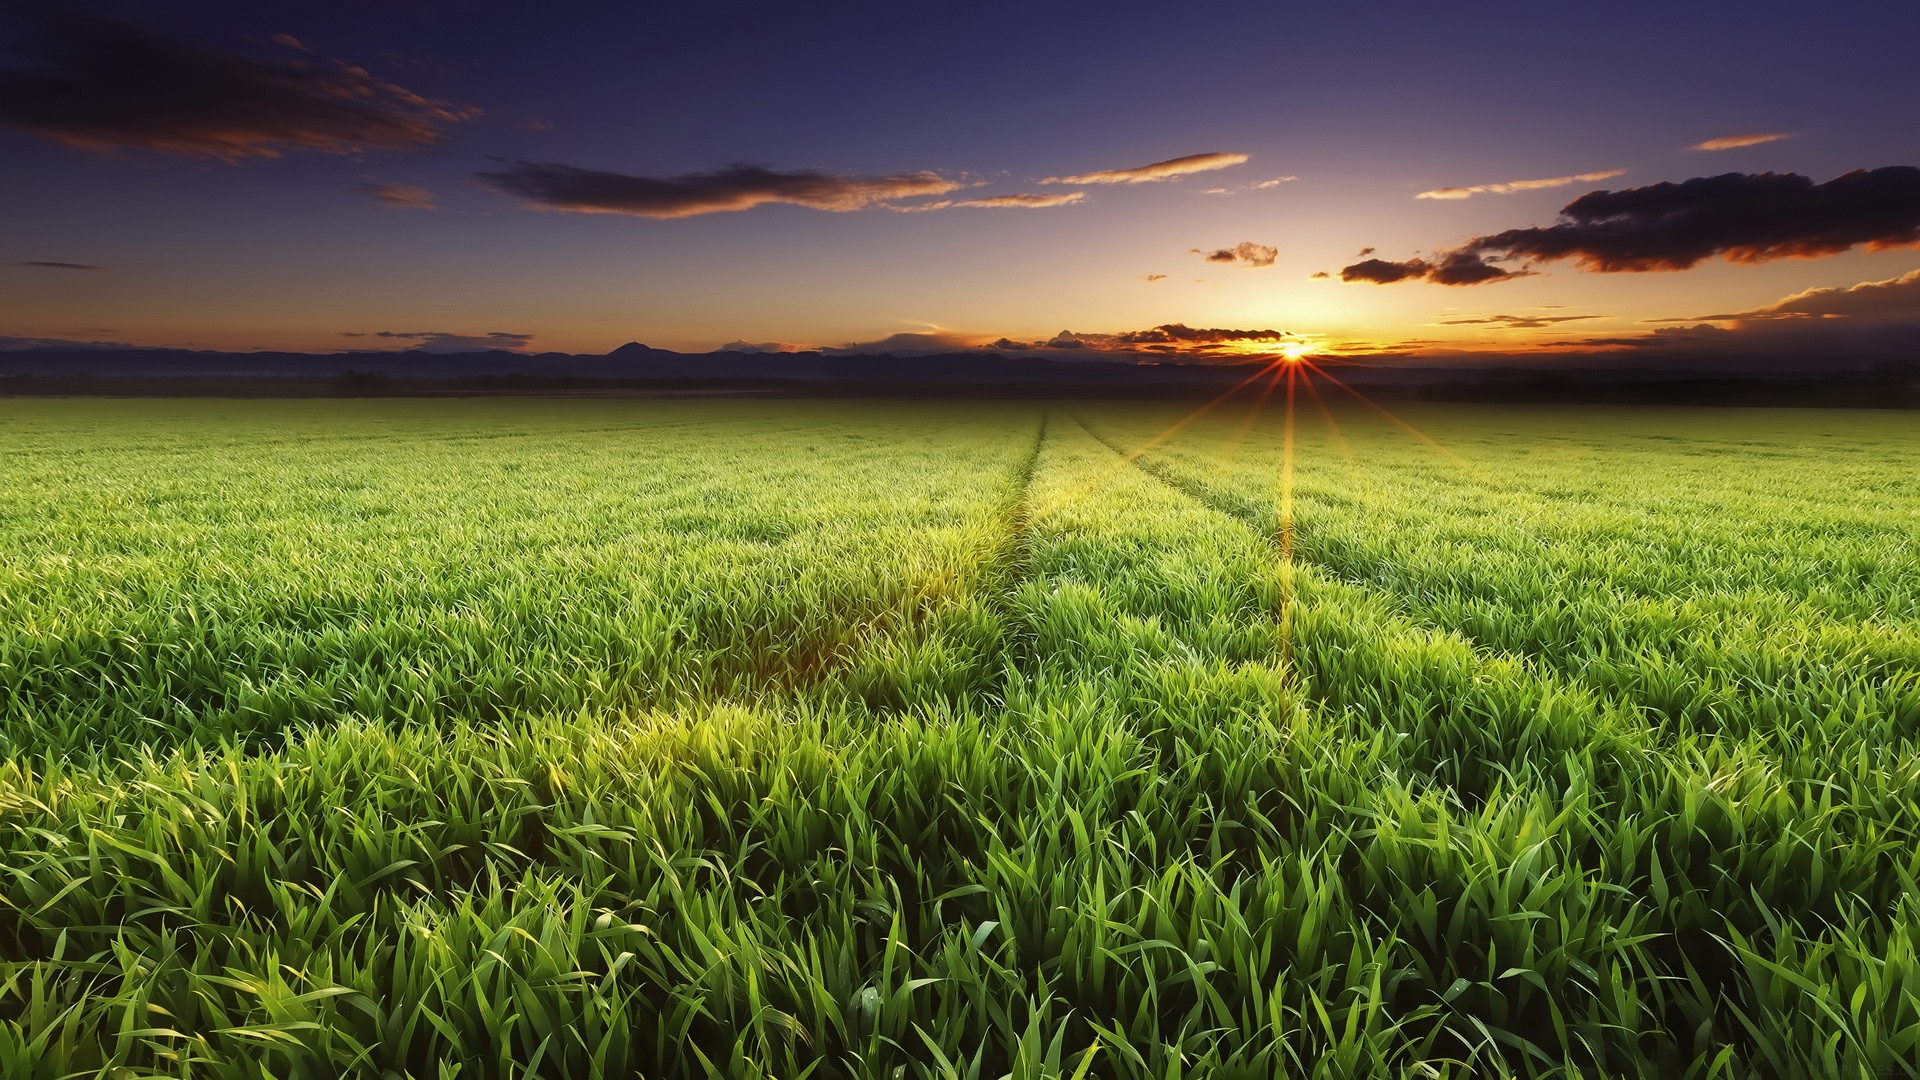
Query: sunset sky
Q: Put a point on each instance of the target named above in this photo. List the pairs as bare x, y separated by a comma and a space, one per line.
571, 177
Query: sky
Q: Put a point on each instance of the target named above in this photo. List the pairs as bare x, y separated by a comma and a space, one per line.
1215, 180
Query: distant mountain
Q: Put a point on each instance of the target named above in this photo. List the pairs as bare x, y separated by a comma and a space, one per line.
635, 367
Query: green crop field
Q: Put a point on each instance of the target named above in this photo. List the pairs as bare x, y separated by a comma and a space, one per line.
801, 739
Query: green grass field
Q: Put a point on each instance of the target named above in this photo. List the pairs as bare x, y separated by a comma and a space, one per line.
788, 739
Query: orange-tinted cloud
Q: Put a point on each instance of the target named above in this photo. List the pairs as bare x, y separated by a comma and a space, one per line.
549, 186
1512, 186
1520, 322
1893, 298
401, 196
290, 42
109, 85
1735, 142
1170, 169
1023, 201
1153, 278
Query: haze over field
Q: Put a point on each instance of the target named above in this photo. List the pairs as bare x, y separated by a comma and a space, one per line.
881, 178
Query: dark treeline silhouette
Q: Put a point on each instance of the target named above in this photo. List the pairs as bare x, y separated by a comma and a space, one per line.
638, 370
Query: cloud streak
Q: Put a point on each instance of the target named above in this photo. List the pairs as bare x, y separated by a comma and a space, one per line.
107, 85
400, 196
551, 186
1246, 253
1513, 186
1171, 169
442, 341
1740, 217
1735, 142
1520, 322
1022, 201
43, 264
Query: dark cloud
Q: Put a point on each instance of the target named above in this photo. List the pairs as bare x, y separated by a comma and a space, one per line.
1066, 339
109, 85
1182, 334
1384, 271
549, 186
1171, 169
402, 196
444, 341
290, 42
1247, 252
1153, 278
1742, 217
1519, 322
47, 265
1317, 274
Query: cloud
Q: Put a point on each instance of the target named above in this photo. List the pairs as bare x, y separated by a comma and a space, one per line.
549, 186
48, 265
1513, 186
1024, 201
1520, 322
1895, 299
1216, 191
290, 42
1153, 278
442, 341
1248, 252
403, 196
1735, 142
106, 85
1274, 183
1319, 274
1171, 169
1182, 334
1741, 217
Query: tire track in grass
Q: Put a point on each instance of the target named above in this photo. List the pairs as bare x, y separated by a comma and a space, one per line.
1515, 712
964, 655
1664, 685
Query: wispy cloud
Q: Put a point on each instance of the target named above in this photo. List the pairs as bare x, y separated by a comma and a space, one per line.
1735, 142
1246, 252
1153, 279
110, 85
401, 196
290, 42
550, 186
1170, 169
443, 341
44, 264
1741, 217
1023, 201
1520, 322
1274, 183
1512, 186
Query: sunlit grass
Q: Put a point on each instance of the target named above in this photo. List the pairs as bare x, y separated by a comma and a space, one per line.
780, 739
